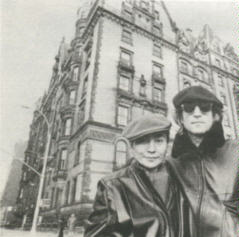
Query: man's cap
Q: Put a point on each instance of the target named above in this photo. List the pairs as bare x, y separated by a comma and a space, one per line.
195, 93
145, 125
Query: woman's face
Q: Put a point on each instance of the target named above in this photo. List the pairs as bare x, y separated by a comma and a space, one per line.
150, 150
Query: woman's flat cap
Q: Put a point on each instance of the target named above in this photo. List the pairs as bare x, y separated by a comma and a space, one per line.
145, 125
195, 93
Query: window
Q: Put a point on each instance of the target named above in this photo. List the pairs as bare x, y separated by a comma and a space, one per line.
186, 84
72, 97
156, 15
21, 193
157, 70
79, 187
67, 128
218, 63
120, 154
220, 81
52, 196
125, 58
49, 177
73, 190
127, 36
156, 30
184, 66
158, 91
58, 197
75, 74
85, 85
157, 50
62, 164
124, 82
67, 192
81, 114
127, 11
201, 75
78, 153
80, 31
123, 115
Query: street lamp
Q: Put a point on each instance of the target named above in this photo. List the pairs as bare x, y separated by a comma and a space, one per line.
40, 190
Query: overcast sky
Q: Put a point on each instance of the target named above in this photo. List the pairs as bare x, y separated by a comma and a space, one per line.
31, 31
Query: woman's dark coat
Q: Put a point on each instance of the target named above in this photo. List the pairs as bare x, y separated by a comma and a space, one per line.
209, 180
127, 205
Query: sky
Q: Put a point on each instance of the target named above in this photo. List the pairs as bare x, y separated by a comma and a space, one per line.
30, 34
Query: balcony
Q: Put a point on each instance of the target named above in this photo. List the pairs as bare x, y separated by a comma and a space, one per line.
67, 109
158, 78
59, 174
126, 66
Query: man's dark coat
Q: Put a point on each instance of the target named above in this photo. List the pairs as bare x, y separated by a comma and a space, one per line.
209, 180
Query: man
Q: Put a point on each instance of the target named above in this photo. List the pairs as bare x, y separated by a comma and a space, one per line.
138, 200
206, 167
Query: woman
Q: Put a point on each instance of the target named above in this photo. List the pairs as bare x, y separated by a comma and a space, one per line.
138, 200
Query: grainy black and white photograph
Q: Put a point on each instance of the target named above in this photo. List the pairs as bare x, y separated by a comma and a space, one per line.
119, 118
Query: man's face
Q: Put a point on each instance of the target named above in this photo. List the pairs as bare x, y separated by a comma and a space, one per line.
150, 150
197, 117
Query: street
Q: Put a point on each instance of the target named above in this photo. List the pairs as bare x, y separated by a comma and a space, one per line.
21, 233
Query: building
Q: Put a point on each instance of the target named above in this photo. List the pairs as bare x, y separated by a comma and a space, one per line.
127, 58
9, 216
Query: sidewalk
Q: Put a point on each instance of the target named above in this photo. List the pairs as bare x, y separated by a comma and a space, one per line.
22, 233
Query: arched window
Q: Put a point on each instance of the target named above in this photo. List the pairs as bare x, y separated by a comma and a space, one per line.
120, 154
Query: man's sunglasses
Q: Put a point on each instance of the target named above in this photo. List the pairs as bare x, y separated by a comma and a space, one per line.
203, 106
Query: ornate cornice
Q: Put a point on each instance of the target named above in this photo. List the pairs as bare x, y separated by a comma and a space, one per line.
124, 22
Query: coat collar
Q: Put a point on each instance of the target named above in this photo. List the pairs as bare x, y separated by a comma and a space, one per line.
213, 139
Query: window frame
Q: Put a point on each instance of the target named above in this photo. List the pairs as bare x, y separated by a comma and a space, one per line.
157, 50
85, 86
127, 38
72, 101
118, 115
129, 62
62, 162
119, 151
75, 74
73, 189
78, 153
158, 86
158, 66
125, 76
67, 127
